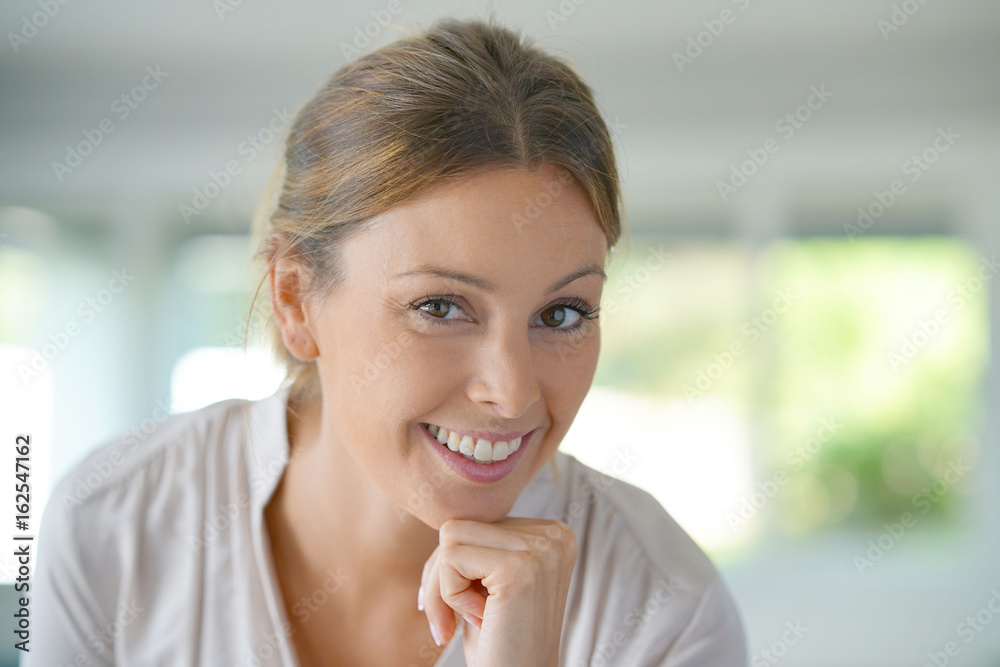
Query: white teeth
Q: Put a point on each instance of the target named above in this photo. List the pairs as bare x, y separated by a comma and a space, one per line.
476, 449
484, 450
499, 451
467, 446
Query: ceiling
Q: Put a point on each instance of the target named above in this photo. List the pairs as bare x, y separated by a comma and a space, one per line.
231, 63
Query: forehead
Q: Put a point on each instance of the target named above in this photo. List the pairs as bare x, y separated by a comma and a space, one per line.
498, 222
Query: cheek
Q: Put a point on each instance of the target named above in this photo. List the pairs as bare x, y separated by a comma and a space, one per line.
566, 373
387, 372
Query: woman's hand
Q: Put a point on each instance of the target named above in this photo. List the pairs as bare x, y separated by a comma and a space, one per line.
509, 581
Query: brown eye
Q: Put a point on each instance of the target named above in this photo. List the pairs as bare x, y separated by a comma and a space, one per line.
556, 317
437, 309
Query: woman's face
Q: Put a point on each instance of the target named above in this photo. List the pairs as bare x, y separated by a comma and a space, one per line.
464, 309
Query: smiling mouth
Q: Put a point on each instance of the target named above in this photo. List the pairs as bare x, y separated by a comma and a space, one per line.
480, 450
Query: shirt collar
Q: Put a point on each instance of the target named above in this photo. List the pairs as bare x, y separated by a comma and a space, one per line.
267, 446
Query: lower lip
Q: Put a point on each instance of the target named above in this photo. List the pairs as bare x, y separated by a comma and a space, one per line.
478, 472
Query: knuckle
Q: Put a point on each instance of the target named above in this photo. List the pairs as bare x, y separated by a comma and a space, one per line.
537, 542
566, 531
564, 541
449, 553
562, 534
571, 543
552, 530
449, 531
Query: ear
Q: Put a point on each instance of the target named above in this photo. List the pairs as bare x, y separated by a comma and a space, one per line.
288, 303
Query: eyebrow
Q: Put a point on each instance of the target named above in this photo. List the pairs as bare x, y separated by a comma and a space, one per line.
487, 286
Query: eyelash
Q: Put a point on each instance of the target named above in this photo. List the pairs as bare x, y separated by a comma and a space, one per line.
585, 310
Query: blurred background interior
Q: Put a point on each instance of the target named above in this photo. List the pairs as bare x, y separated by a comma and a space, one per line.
799, 333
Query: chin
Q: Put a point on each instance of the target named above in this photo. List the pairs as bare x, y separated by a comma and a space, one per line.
436, 513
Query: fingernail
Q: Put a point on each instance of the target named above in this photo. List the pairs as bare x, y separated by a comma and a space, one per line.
468, 619
420, 599
434, 634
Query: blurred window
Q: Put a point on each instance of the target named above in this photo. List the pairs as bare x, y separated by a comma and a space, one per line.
810, 385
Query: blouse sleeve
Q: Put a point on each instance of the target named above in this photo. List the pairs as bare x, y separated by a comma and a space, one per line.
713, 636
71, 624
650, 620
644, 594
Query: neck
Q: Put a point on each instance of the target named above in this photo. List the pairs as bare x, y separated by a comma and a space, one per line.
329, 515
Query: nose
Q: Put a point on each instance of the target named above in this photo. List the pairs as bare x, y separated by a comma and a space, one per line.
505, 377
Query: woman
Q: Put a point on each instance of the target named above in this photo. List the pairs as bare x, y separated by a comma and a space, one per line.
435, 260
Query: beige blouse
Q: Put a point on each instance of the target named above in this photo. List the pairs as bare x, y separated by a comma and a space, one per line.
157, 554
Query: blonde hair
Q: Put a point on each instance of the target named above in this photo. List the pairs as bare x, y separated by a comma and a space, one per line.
406, 118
